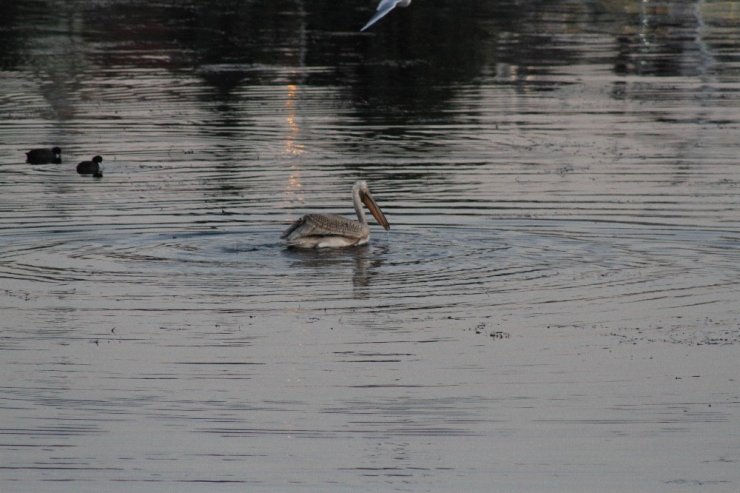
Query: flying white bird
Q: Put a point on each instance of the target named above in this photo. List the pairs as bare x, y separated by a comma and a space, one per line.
384, 7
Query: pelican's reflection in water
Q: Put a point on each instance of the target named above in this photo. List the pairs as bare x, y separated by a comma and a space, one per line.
330, 266
367, 263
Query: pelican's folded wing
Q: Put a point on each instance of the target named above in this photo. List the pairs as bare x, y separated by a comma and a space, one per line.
324, 225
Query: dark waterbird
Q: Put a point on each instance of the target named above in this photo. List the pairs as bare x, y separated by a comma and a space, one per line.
44, 156
91, 167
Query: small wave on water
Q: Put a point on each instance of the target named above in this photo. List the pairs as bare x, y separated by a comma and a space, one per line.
443, 267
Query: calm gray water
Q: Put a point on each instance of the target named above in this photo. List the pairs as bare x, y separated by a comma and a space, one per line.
555, 308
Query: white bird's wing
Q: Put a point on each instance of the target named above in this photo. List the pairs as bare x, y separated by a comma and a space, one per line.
384, 7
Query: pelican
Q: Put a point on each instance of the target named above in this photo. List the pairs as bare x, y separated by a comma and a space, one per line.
332, 230
384, 7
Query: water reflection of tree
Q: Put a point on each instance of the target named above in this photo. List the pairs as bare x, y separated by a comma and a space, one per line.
408, 67
664, 39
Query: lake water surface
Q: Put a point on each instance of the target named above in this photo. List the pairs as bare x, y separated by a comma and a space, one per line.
555, 308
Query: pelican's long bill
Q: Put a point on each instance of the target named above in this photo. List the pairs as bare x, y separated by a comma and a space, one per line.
374, 209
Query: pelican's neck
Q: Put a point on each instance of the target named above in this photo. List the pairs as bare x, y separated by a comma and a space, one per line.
358, 206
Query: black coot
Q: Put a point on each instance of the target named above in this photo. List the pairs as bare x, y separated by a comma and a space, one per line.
44, 156
91, 167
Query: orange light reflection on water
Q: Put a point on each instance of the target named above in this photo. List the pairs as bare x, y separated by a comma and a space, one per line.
293, 189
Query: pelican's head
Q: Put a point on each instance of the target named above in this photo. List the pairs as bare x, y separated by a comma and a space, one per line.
360, 187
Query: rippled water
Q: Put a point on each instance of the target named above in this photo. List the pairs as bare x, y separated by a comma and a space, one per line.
555, 307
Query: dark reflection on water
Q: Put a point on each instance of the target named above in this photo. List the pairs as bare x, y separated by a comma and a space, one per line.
321, 264
553, 309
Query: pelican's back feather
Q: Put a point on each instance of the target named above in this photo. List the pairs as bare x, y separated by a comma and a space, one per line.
325, 225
